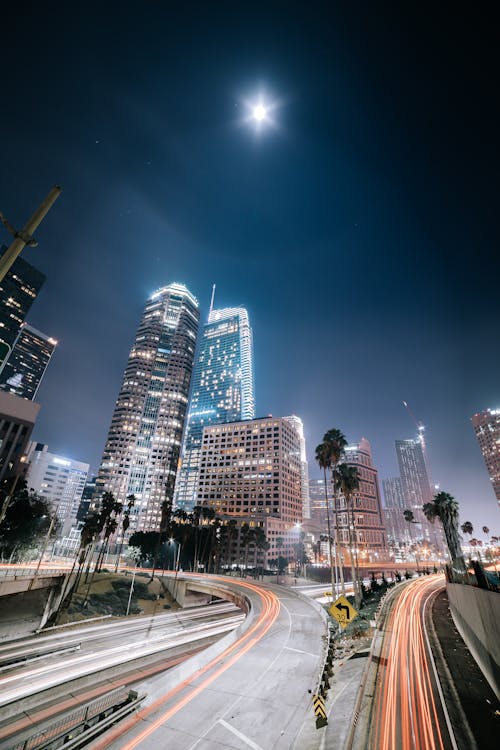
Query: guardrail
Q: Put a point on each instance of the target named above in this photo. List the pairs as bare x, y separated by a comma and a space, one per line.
81, 725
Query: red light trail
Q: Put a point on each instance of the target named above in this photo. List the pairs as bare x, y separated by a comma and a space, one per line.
212, 670
405, 714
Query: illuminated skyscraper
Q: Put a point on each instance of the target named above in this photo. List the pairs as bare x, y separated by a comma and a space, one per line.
304, 467
487, 428
251, 471
18, 290
415, 482
223, 390
371, 536
24, 369
59, 480
393, 493
142, 450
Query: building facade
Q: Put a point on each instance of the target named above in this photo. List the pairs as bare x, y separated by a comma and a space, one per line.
25, 367
371, 538
223, 391
415, 483
251, 471
393, 493
18, 290
59, 480
17, 419
304, 467
487, 428
141, 454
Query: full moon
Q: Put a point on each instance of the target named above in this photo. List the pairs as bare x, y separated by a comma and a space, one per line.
259, 112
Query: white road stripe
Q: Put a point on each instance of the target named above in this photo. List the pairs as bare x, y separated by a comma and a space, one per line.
298, 651
241, 736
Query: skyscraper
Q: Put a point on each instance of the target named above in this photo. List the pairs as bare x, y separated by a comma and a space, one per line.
304, 467
18, 290
142, 450
251, 471
25, 367
370, 529
393, 492
223, 390
415, 482
59, 480
487, 428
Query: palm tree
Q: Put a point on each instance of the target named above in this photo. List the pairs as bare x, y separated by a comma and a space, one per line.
125, 525
467, 528
109, 511
476, 543
336, 442
445, 507
324, 460
348, 482
247, 537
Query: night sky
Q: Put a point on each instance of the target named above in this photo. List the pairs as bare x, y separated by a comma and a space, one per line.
360, 232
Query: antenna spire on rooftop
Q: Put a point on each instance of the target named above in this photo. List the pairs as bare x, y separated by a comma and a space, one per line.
212, 301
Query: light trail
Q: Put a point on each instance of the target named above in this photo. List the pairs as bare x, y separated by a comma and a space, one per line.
405, 711
212, 670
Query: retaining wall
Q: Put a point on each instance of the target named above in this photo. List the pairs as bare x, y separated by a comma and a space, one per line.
476, 613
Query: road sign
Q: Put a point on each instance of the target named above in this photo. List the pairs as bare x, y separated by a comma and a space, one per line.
319, 706
343, 611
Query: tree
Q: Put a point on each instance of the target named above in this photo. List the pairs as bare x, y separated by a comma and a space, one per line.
146, 542
476, 543
336, 442
324, 460
467, 528
109, 510
348, 482
410, 518
445, 508
247, 537
27, 520
486, 530
125, 525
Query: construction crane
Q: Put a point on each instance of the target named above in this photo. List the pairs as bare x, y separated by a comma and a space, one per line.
419, 425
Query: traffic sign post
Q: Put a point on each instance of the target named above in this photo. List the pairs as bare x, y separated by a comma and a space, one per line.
319, 711
343, 611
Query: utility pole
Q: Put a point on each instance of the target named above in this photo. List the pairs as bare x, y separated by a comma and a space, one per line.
24, 236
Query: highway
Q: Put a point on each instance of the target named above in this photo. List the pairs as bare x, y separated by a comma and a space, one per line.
255, 693
409, 712
82, 650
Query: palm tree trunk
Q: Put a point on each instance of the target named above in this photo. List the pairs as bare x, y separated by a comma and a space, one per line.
339, 547
333, 570
351, 551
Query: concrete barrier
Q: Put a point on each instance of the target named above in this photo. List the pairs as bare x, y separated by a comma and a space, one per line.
476, 613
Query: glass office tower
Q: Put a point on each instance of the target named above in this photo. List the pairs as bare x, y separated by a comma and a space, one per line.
24, 369
142, 451
223, 390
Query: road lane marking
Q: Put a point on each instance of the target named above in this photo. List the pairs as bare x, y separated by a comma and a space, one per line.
298, 651
240, 735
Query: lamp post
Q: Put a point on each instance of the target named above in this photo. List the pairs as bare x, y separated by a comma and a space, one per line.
45, 542
24, 236
176, 568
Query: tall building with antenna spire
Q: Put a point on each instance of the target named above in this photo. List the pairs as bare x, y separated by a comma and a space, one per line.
223, 390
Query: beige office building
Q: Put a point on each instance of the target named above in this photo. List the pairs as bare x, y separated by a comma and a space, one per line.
251, 471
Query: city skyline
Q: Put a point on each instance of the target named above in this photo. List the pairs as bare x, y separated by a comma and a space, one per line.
350, 230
